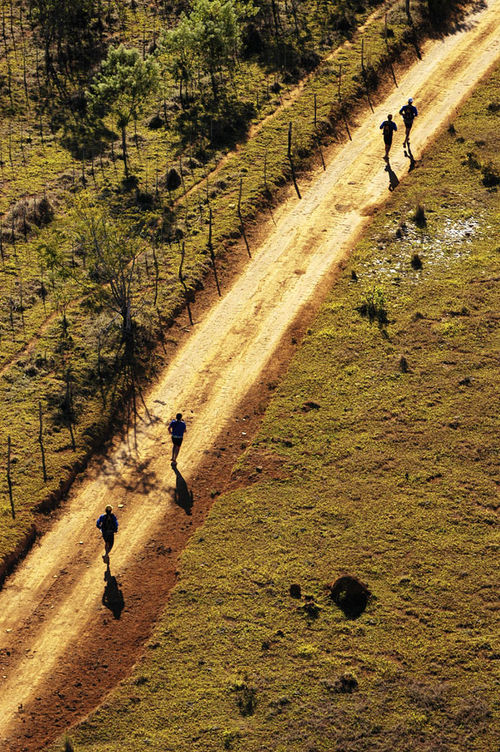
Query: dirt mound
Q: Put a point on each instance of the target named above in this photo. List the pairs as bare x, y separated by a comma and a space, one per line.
351, 595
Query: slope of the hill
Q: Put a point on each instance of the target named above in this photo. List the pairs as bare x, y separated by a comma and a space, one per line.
366, 464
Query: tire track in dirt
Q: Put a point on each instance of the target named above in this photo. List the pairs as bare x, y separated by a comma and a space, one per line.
51, 606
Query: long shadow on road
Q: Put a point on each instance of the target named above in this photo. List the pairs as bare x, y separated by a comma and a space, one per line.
112, 597
183, 496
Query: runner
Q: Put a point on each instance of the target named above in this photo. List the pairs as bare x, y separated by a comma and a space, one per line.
388, 127
108, 525
409, 113
176, 429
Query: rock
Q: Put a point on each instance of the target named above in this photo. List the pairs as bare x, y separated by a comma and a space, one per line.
156, 122
173, 180
295, 591
350, 595
465, 382
403, 364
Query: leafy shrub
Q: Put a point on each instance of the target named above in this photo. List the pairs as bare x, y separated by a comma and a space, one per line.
491, 178
373, 306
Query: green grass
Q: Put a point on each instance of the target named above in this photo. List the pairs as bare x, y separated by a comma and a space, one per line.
392, 479
37, 373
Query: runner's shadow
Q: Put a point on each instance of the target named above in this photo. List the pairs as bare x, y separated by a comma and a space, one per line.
393, 178
183, 497
112, 597
410, 156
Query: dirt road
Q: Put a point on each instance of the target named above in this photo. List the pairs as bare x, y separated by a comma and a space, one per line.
51, 611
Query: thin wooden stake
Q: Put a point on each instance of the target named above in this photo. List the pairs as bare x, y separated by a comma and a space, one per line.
40, 441
389, 53
317, 134
242, 226
211, 249
186, 291
291, 160
9, 481
70, 411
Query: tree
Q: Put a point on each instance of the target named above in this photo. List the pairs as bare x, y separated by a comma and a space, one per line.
209, 37
121, 88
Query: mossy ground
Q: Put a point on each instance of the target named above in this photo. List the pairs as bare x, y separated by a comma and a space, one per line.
37, 371
391, 477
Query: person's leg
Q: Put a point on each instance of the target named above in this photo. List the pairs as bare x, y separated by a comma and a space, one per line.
108, 545
175, 451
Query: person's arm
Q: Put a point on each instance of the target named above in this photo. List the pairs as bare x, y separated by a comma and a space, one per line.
382, 125
99, 522
401, 110
116, 523
394, 126
170, 427
415, 111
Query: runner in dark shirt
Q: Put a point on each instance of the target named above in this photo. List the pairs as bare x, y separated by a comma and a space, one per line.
388, 127
108, 525
176, 429
409, 113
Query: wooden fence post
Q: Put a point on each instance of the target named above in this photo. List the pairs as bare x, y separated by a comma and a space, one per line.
40, 441
342, 110
9, 481
389, 53
211, 250
69, 403
291, 160
181, 278
316, 131
240, 217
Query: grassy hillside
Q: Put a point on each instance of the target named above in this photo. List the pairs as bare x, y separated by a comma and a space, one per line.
70, 345
366, 464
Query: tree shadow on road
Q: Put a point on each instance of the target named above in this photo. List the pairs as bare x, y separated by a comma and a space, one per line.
183, 497
112, 597
393, 178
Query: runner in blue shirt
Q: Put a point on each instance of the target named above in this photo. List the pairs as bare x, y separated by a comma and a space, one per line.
176, 429
108, 525
409, 113
388, 127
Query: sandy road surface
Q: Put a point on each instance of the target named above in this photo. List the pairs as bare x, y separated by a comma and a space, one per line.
53, 597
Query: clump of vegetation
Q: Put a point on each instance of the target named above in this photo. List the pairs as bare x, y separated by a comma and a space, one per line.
419, 217
374, 306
